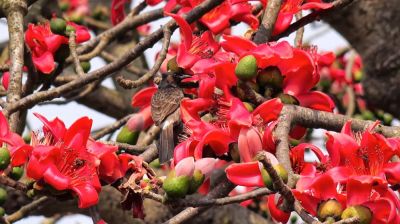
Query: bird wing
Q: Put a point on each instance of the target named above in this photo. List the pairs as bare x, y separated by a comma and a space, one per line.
164, 102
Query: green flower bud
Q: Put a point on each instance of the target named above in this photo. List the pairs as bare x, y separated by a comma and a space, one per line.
58, 26
27, 138
5, 158
126, 136
17, 172
387, 119
196, 181
288, 99
3, 195
329, 208
293, 219
69, 29
2, 212
363, 213
246, 68
270, 76
176, 187
282, 173
85, 66
368, 115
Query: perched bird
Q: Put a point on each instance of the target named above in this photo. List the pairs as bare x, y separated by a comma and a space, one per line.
166, 113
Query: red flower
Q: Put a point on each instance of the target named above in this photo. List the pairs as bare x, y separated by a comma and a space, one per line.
193, 48
5, 80
44, 44
218, 19
118, 9
68, 160
366, 153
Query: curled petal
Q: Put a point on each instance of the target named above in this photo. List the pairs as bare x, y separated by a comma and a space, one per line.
269, 110
142, 98
276, 213
249, 144
245, 174
316, 100
88, 195
217, 139
56, 126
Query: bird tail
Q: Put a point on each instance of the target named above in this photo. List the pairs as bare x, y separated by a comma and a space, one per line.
166, 150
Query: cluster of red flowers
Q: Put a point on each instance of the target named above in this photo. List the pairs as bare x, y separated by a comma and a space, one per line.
66, 158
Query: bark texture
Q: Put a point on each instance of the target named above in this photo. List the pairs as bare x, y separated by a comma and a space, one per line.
372, 28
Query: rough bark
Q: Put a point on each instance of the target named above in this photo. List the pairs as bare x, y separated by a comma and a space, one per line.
372, 28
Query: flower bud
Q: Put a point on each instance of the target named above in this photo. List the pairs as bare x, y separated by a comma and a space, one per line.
85, 66
176, 187
329, 208
358, 75
17, 172
69, 29
58, 26
4, 158
270, 76
76, 18
126, 136
387, 119
288, 99
363, 213
155, 164
64, 6
196, 181
368, 115
282, 173
3, 195
246, 68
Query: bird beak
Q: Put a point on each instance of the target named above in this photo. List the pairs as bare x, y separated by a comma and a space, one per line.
184, 76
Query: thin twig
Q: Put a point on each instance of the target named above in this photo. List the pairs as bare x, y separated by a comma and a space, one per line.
131, 149
26, 209
74, 55
284, 190
4, 180
129, 84
351, 220
349, 87
298, 40
112, 127
268, 22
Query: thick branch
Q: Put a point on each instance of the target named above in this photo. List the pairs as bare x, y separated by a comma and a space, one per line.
268, 22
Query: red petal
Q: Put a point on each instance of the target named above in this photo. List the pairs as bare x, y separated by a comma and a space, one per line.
56, 126
142, 98
87, 194
316, 100
217, 139
77, 135
45, 62
117, 11
357, 192
245, 174
55, 178
185, 167
237, 45
276, 213
316, 5
5, 80
249, 144
269, 110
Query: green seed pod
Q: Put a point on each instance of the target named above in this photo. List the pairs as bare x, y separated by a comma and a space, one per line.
5, 158
58, 26
282, 173
64, 6
2, 212
3, 195
196, 181
17, 172
246, 68
387, 119
330, 208
363, 213
368, 115
288, 99
176, 187
85, 66
126, 136
69, 29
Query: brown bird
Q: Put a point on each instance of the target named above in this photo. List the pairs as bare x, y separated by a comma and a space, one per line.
166, 113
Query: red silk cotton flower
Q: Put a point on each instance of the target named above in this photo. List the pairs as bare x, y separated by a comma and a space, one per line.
67, 159
44, 44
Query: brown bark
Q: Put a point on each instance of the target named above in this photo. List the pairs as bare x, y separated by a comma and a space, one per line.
372, 28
